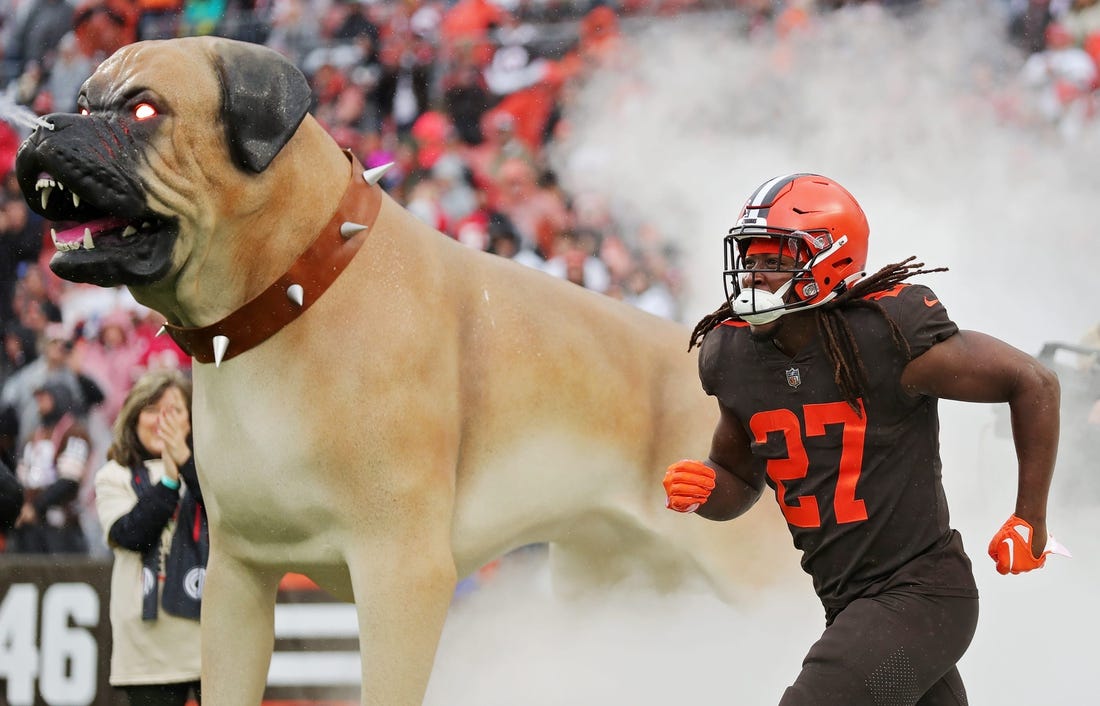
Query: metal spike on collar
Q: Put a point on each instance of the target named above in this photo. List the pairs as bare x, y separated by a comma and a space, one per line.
373, 176
349, 230
220, 344
296, 294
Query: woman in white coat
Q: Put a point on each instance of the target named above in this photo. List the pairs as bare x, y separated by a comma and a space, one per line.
150, 507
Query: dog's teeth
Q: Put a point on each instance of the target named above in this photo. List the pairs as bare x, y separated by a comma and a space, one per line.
76, 199
53, 235
45, 195
128, 231
59, 185
146, 225
88, 242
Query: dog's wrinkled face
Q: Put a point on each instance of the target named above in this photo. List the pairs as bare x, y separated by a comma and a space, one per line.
84, 174
161, 128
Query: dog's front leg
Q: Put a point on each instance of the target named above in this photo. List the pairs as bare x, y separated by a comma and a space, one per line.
403, 589
238, 631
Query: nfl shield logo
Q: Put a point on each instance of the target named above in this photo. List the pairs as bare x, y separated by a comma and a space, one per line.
793, 378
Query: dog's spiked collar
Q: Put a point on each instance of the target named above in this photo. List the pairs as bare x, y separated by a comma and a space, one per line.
303, 284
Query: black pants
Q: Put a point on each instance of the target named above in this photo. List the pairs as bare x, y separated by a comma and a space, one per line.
162, 694
895, 649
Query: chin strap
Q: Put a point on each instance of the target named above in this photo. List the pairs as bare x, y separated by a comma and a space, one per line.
759, 306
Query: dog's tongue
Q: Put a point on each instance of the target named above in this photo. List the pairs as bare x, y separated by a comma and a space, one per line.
76, 233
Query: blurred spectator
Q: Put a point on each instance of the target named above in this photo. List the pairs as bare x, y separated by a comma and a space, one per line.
465, 99
645, 291
35, 38
504, 241
345, 109
532, 107
404, 81
19, 349
351, 24
499, 143
1028, 25
110, 357
159, 351
539, 215
51, 365
159, 19
11, 498
470, 20
87, 304
512, 69
34, 303
422, 199
457, 196
473, 233
102, 27
294, 28
1082, 20
600, 37
431, 134
51, 468
1063, 77
575, 259
71, 68
20, 242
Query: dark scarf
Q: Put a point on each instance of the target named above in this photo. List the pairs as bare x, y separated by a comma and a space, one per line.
185, 565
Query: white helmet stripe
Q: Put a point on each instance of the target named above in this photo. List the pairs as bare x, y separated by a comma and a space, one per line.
761, 200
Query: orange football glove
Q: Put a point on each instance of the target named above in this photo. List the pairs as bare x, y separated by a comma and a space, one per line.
688, 485
1011, 547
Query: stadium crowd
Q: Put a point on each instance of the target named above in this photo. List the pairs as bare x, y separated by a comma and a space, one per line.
463, 96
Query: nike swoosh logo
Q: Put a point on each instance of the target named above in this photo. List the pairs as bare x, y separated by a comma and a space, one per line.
1011, 553
931, 302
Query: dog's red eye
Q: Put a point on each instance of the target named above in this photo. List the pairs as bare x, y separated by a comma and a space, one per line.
144, 111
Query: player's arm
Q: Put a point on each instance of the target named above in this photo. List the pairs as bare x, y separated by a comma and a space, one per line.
722, 487
973, 367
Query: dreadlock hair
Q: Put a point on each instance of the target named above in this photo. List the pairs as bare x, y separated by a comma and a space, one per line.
840, 344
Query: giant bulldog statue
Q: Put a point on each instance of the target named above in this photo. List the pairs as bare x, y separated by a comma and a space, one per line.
376, 406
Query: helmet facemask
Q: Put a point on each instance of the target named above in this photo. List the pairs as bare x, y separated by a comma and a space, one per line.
810, 253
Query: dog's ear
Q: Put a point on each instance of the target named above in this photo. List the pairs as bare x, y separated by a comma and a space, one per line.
264, 99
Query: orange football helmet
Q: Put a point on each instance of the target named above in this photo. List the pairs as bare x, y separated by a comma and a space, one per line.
810, 218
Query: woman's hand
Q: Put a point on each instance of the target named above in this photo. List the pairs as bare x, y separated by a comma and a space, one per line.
173, 430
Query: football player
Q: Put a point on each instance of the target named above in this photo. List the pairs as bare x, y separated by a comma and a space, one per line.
827, 381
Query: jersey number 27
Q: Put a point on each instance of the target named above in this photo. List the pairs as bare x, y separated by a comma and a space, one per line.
803, 511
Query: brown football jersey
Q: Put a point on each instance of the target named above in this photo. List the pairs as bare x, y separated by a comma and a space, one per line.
859, 486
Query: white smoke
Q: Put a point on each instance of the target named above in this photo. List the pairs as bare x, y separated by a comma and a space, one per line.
911, 117
907, 114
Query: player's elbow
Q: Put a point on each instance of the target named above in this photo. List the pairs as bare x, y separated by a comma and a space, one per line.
1039, 386
1048, 383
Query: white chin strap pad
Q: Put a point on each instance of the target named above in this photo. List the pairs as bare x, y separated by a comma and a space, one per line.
759, 306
